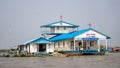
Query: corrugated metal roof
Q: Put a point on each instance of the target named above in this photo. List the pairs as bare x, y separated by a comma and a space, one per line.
73, 34
60, 24
41, 40
27, 42
37, 41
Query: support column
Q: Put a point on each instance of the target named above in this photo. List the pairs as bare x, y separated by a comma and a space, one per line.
98, 46
37, 47
24, 48
74, 43
53, 46
47, 47
30, 49
82, 45
106, 45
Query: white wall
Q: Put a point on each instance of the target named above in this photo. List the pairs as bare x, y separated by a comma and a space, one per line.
60, 30
33, 48
67, 45
49, 48
68, 42
97, 35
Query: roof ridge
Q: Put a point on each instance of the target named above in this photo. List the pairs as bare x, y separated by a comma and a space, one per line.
60, 21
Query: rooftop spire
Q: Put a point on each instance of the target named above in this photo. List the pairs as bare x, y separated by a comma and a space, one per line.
61, 17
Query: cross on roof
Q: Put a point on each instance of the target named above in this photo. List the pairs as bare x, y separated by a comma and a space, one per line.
89, 25
61, 17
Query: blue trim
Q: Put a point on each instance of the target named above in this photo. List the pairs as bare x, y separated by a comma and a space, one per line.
90, 52
38, 41
28, 42
107, 37
90, 38
70, 51
51, 33
41, 53
73, 34
84, 52
51, 24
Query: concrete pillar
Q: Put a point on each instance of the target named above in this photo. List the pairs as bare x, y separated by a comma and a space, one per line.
98, 45
74, 42
47, 47
82, 44
37, 47
106, 44
29, 48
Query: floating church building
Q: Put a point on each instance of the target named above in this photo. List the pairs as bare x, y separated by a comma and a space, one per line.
62, 36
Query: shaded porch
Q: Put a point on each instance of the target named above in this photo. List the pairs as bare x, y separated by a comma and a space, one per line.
88, 46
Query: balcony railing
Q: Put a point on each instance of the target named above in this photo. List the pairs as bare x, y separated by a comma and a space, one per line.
49, 32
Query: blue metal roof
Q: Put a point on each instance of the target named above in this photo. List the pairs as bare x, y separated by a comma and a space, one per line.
41, 40
28, 42
61, 24
38, 41
73, 34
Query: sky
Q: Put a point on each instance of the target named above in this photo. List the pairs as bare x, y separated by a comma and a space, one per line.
20, 20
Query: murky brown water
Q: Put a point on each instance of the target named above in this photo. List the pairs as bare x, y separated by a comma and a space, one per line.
111, 60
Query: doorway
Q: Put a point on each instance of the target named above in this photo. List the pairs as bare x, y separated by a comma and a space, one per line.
42, 47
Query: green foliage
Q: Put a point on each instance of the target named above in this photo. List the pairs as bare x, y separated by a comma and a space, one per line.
21, 55
55, 50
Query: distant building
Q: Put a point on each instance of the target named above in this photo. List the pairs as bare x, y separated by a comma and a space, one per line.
117, 49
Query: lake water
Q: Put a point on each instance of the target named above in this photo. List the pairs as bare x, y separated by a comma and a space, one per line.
110, 60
